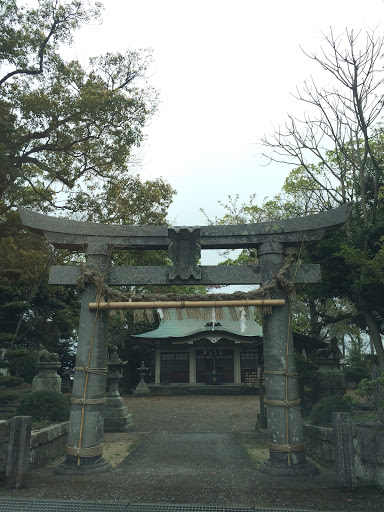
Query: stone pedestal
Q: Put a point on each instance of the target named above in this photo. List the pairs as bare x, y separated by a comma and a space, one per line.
330, 381
116, 417
344, 450
18, 453
47, 378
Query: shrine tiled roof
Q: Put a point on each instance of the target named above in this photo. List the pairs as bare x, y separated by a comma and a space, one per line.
175, 328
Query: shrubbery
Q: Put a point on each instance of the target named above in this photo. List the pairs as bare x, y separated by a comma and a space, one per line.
45, 405
21, 363
10, 382
321, 413
8, 396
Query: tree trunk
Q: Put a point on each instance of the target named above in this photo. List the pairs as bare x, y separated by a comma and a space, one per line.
374, 334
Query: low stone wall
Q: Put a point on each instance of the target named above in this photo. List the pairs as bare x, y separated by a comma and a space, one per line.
5, 430
369, 454
368, 444
319, 442
46, 445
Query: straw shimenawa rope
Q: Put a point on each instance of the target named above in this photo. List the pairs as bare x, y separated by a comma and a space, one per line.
94, 277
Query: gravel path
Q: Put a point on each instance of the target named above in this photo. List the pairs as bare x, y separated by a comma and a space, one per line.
194, 413
191, 455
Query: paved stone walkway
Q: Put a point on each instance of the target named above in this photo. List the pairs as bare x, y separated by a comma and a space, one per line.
189, 460
190, 468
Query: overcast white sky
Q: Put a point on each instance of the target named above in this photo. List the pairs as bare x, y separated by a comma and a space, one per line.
225, 71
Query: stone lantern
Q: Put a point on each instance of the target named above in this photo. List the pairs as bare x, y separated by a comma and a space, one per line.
330, 379
116, 417
142, 389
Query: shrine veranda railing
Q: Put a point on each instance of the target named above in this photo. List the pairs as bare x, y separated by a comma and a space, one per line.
184, 245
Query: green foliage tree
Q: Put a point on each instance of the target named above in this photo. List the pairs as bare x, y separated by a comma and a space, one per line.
373, 392
64, 128
341, 134
67, 136
357, 364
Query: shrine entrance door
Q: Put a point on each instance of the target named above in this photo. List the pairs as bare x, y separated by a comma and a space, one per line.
211, 362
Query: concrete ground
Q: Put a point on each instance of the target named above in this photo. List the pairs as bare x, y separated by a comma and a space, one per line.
190, 454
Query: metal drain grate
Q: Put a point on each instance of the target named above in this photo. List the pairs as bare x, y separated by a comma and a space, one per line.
151, 507
25, 505
142, 507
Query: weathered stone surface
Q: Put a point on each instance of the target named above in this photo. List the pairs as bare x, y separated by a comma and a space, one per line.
366, 440
48, 434
18, 452
184, 251
368, 448
311, 227
343, 447
319, 443
214, 275
87, 421
119, 424
379, 435
281, 391
72, 234
48, 444
47, 379
116, 416
5, 430
117, 419
141, 389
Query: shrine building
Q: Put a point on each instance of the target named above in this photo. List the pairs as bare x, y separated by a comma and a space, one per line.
197, 352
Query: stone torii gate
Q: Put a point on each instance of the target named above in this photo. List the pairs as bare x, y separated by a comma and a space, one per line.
184, 244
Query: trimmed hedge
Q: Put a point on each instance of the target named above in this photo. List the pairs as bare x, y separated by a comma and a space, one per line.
8, 396
45, 405
10, 382
321, 413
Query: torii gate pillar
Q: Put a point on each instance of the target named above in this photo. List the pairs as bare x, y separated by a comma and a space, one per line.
86, 423
285, 434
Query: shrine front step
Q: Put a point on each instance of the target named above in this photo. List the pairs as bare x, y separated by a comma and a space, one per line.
203, 389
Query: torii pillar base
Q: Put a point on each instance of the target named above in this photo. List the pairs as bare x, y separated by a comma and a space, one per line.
297, 470
70, 467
